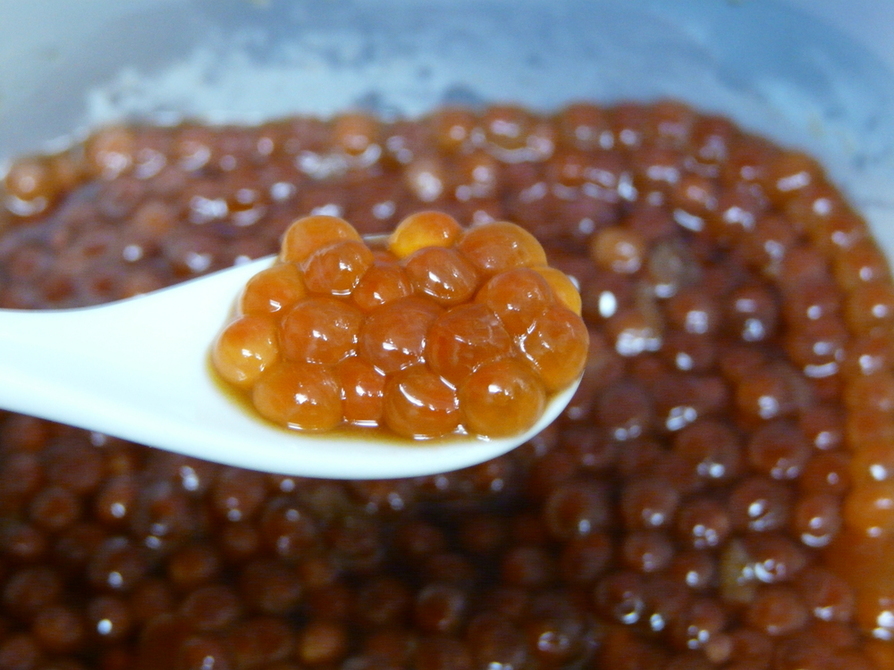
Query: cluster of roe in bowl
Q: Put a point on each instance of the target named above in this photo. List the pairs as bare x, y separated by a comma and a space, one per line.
443, 331
719, 494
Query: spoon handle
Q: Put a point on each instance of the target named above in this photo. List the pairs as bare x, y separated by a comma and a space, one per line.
95, 367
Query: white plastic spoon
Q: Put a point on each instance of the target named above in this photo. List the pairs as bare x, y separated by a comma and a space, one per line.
138, 369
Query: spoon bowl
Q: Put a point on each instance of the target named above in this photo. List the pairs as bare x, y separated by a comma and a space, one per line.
138, 369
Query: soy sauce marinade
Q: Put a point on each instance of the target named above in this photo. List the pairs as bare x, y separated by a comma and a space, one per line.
717, 495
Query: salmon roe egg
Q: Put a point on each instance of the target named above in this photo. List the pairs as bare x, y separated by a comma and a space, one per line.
618, 250
405, 338
501, 398
245, 348
320, 329
383, 282
419, 403
562, 286
394, 337
464, 338
337, 268
443, 274
517, 297
557, 345
299, 395
500, 246
273, 289
362, 387
30, 179
423, 229
310, 233
354, 133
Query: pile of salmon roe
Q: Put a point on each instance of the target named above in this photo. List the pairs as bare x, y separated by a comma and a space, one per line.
719, 494
444, 331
